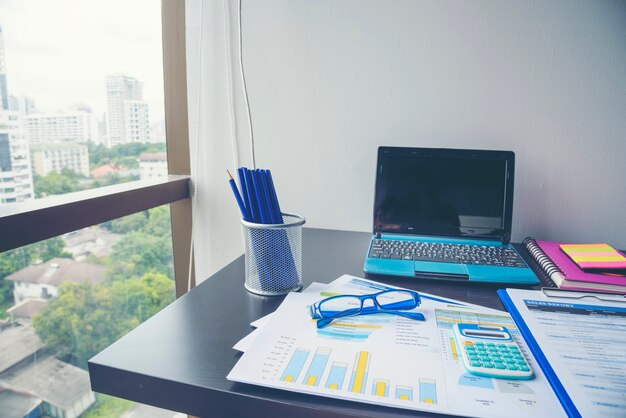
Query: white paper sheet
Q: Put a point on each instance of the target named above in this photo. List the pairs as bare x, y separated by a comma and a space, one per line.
584, 340
387, 359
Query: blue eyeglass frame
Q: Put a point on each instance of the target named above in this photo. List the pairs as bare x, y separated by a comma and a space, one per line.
325, 319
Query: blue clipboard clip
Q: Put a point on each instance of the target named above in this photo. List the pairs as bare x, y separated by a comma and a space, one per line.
577, 294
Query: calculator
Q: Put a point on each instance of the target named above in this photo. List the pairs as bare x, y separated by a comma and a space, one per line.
490, 351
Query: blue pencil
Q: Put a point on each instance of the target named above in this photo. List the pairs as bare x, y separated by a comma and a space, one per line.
244, 192
233, 186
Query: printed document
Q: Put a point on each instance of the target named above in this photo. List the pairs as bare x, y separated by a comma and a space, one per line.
388, 359
584, 341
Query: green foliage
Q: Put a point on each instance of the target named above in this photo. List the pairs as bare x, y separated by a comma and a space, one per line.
86, 318
146, 245
107, 406
57, 183
141, 253
123, 155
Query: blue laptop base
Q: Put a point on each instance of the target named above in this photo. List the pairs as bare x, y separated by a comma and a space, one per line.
449, 271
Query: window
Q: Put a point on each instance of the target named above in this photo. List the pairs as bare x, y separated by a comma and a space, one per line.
26, 223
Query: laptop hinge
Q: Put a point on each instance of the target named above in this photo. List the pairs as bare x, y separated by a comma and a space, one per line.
377, 234
506, 238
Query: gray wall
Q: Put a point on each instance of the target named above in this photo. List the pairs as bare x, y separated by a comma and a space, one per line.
330, 81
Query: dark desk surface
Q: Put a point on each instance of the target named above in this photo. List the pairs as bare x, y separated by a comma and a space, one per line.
179, 358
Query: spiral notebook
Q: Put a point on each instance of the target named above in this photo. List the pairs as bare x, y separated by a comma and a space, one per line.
565, 273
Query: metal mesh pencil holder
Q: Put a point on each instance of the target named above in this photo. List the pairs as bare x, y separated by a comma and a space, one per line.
273, 255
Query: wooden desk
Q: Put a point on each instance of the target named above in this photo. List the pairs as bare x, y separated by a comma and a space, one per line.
179, 358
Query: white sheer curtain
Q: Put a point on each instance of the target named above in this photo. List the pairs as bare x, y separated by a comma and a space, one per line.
331, 80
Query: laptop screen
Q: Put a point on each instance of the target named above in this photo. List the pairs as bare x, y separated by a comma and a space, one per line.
442, 192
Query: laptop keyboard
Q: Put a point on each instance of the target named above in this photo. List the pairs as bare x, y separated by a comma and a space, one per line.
446, 253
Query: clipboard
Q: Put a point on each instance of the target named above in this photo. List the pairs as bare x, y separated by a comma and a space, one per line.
563, 298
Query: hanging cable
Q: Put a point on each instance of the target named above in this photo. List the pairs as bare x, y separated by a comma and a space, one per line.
245, 90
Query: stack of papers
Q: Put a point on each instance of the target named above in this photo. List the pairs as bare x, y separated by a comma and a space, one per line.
386, 359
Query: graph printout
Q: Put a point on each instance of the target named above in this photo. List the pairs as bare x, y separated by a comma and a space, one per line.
387, 359
584, 341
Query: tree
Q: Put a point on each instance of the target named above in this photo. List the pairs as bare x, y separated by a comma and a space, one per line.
57, 183
86, 318
142, 253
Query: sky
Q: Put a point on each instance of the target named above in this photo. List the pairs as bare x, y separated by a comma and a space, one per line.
59, 52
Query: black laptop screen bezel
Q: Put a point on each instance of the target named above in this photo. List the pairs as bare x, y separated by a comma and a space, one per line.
508, 157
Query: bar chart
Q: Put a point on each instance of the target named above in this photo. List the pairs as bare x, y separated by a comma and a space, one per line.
316, 367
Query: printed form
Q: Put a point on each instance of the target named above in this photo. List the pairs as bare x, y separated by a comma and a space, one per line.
387, 359
584, 341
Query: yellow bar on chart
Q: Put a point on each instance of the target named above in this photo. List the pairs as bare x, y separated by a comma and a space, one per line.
455, 355
380, 388
359, 377
288, 379
311, 381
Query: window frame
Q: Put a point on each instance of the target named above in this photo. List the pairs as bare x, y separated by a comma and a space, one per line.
36, 220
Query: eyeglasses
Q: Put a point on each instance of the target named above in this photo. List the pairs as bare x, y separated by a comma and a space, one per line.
389, 301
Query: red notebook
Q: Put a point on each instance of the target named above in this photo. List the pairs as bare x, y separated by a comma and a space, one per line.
566, 275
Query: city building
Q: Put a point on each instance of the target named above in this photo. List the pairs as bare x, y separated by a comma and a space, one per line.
4, 94
16, 181
25, 373
78, 126
42, 281
94, 241
127, 113
54, 157
152, 165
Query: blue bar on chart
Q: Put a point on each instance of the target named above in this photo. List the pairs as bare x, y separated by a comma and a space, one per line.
404, 393
317, 366
428, 391
380, 387
294, 367
359, 372
336, 375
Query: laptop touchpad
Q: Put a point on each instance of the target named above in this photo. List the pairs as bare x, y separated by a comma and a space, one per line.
443, 270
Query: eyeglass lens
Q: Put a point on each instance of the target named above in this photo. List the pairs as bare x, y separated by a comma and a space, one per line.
396, 300
340, 306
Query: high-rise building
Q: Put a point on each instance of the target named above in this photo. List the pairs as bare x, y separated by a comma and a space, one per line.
127, 112
4, 94
16, 181
49, 157
78, 126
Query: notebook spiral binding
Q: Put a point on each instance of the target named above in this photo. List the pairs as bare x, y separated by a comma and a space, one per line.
541, 258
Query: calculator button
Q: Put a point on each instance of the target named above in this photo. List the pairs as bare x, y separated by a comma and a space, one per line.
509, 361
520, 361
502, 346
499, 366
468, 343
488, 365
479, 345
491, 345
524, 368
475, 363
511, 367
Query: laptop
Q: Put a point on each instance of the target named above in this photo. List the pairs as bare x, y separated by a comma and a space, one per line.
445, 214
